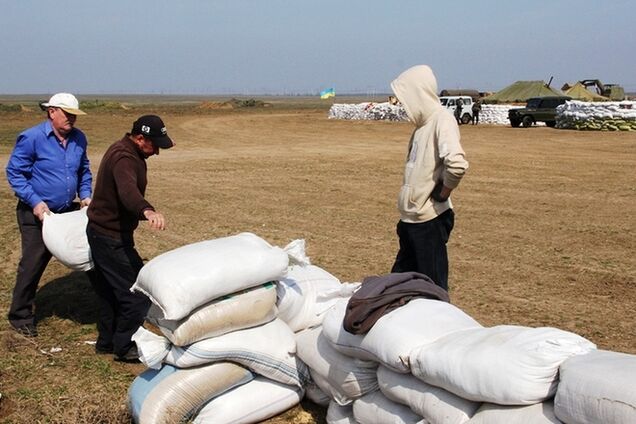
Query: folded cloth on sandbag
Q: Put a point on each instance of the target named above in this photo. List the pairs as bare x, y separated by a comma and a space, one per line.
379, 295
64, 235
395, 334
268, 350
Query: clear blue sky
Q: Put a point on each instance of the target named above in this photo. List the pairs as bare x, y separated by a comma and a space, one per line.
289, 47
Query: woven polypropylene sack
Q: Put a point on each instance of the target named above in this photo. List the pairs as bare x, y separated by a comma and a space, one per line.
185, 278
599, 387
252, 402
64, 235
236, 311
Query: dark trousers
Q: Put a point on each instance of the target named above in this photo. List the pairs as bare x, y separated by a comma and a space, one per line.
117, 265
423, 247
35, 258
475, 117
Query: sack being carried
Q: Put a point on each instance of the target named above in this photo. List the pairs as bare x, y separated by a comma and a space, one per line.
64, 234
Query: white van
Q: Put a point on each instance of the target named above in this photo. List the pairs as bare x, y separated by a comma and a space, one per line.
450, 103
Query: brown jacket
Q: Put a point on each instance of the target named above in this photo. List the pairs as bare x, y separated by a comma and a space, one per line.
118, 199
379, 295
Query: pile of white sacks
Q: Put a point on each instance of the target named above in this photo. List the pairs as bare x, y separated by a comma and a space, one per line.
599, 116
490, 114
243, 330
224, 313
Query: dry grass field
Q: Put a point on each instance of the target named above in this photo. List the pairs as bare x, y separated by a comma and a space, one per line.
544, 234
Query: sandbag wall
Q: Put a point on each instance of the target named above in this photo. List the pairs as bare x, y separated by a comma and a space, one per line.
597, 116
490, 114
429, 362
219, 352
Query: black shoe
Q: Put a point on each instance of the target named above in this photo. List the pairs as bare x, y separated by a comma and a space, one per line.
27, 330
103, 350
132, 356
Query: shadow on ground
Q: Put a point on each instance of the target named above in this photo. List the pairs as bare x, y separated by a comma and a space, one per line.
69, 297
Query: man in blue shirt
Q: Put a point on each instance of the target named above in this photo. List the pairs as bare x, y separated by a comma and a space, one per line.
47, 169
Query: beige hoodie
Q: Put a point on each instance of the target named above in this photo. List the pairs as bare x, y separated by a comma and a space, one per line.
435, 154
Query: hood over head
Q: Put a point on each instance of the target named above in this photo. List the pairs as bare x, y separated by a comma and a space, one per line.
416, 89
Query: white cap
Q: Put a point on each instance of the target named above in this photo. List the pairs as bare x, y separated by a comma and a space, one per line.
65, 101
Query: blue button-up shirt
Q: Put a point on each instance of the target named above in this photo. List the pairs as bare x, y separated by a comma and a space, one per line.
40, 169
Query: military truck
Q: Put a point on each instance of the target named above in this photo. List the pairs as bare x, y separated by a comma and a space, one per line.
538, 109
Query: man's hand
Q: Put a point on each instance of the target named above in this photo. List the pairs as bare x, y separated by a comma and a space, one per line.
85, 202
155, 219
40, 210
441, 193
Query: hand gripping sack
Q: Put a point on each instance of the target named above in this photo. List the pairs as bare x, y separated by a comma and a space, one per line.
64, 234
185, 278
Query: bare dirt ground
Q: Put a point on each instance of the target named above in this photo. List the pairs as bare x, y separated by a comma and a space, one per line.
544, 231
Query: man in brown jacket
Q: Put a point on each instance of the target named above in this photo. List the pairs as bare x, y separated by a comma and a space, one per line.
117, 207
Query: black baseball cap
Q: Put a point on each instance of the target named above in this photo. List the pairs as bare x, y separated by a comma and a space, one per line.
152, 127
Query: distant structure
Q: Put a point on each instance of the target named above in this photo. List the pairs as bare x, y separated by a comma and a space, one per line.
474, 94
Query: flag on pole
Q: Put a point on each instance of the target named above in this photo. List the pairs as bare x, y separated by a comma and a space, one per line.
326, 93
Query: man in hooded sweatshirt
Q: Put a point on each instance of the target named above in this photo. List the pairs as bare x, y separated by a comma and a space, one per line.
435, 164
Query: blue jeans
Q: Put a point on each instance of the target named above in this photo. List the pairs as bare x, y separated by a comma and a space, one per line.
423, 247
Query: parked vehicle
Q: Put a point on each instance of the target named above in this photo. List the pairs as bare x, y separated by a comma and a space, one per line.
450, 103
538, 109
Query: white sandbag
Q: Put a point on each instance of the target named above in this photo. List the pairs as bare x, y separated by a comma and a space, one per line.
339, 414
375, 408
172, 395
253, 402
64, 234
506, 365
316, 394
436, 405
539, 413
599, 387
236, 311
305, 294
268, 350
182, 279
393, 336
343, 377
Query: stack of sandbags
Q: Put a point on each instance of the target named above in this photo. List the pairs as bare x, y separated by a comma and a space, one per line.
385, 347
368, 111
495, 114
597, 116
435, 364
64, 234
214, 303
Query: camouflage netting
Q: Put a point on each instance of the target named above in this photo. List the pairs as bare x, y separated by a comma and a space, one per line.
597, 116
